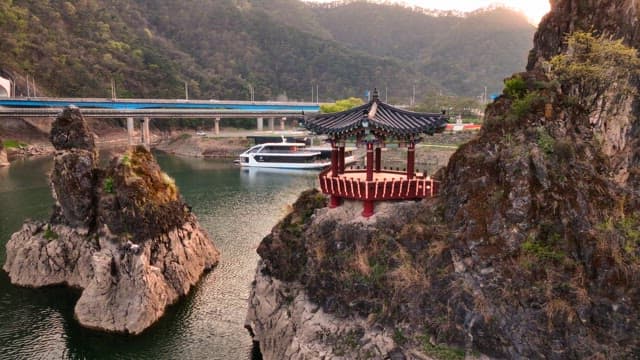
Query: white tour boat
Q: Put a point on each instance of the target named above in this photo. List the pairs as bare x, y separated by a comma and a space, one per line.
284, 155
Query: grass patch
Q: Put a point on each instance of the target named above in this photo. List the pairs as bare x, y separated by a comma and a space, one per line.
50, 234
107, 186
543, 250
15, 144
545, 141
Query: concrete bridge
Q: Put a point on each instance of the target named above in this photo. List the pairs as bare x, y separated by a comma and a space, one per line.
146, 109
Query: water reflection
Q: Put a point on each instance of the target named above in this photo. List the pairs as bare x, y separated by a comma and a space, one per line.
236, 207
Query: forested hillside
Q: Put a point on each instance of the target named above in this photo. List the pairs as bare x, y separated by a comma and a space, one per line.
150, 48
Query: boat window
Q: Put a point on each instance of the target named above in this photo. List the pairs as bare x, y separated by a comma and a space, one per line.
253, 150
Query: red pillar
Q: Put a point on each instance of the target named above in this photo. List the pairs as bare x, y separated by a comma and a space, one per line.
369, 162
378, 159
411, 160
367, 210
341, 160
334, 159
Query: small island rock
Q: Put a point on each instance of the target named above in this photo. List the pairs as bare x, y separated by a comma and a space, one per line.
122, 234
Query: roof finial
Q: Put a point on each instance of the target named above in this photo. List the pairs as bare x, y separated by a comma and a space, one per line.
375, 94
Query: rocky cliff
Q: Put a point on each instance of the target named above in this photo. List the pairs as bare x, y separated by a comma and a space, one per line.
3, 155
121, 233
531, 251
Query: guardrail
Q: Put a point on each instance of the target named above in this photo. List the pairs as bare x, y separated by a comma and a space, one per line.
395, 187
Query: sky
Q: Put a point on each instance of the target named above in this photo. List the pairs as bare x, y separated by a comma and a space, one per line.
533, 9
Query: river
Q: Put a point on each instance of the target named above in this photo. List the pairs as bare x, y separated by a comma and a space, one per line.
236, 206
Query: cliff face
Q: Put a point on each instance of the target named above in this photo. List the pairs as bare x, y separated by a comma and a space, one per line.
531, 251
122, 234
3, 155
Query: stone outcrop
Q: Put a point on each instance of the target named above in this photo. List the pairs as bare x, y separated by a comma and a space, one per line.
531, 251
122, 234
3, 155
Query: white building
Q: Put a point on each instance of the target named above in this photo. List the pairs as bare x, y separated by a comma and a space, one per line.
5, 87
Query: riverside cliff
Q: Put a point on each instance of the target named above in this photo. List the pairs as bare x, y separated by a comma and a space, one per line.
532, 249
121, 234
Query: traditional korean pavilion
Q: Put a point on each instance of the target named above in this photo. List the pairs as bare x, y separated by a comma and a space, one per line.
375, 125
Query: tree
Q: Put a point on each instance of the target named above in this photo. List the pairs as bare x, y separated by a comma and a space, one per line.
341, 105
596, 71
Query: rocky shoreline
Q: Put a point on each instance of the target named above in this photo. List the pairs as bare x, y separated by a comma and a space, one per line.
122, 234
4, 161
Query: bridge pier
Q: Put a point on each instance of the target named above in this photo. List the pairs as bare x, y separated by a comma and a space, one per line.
146, 135
260, 124
271, 124
216, 126
130, 130
282, 123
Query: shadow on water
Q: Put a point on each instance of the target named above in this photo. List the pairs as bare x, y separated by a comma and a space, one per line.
236, 207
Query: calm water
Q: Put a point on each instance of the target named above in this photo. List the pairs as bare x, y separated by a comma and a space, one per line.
236, 206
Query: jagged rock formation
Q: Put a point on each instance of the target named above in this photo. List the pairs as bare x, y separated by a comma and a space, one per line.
531, 251
122, 234
3, 155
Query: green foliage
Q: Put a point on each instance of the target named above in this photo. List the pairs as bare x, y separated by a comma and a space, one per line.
126, 160
594, 66
398, 337
10, 143
545, 141
515, 87
151, 48
439, 351
49, 234
107, 186
341, 105
544, 250
523, 105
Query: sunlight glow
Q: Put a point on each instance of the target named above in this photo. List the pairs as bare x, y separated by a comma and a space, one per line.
533, 9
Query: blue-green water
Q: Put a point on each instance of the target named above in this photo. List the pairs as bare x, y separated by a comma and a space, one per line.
237, 207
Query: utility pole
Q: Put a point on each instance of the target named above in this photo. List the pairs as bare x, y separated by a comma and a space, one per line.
317, 96
413, 98
186, 91
28, 90
311, 92
113, 89
386, 98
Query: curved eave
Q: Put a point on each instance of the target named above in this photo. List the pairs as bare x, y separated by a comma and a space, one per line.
393, 121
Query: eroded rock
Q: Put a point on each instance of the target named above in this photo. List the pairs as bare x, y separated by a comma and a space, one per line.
531, 251
122, 234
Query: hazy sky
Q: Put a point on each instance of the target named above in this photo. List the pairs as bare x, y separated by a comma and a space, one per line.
534, 9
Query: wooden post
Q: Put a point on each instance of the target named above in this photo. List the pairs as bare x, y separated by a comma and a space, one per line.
334, 159
411, 160
378, 159
367, 209
369, 162
341, 159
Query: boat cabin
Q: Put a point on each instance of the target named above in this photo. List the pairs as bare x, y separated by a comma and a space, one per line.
374, 125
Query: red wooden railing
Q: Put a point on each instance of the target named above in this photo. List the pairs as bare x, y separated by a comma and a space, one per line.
395, 187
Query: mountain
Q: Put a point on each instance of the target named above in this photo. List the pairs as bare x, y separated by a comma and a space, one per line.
279, 47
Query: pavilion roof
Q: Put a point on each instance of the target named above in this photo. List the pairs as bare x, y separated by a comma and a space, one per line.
383, 120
